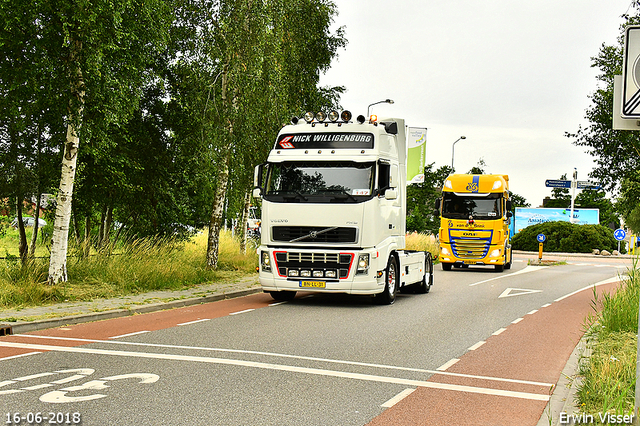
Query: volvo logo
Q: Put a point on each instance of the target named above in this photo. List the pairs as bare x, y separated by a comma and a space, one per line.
313, 234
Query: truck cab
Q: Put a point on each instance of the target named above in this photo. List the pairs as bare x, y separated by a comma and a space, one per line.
333, 209
475, 213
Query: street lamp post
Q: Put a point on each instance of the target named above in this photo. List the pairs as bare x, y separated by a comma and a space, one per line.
386, 101
452, 150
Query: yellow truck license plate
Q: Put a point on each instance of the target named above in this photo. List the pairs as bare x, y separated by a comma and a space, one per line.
469, 262
312, 284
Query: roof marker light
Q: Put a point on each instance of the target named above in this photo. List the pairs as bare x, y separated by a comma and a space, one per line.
373, 118
447, 184
294, 120
346, 116
497, 184
333, 116
361, 119
321, 116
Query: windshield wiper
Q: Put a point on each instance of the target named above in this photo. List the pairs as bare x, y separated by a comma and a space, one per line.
295, 195
313, 234
344, 191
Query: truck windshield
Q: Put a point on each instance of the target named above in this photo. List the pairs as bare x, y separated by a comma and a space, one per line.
480, 206
344, 181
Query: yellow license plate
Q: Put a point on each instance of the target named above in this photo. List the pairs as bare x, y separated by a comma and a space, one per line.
312, 284
469, 262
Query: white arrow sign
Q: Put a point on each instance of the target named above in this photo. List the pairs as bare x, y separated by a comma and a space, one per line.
517, 292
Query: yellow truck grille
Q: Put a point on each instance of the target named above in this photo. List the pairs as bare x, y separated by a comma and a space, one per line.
470, 247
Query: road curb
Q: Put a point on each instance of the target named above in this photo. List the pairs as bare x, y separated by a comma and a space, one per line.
20, 327
563, 397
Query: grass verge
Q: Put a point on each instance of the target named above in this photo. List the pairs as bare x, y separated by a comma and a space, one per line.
609, 372
140, 266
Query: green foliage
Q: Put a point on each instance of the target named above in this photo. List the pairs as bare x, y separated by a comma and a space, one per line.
565, 237
609, 372
421, 200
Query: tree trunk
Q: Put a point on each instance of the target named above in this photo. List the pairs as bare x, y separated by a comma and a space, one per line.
215, 223
103, 216
22, 245
245, 218
60, 240
36, 226
86, 243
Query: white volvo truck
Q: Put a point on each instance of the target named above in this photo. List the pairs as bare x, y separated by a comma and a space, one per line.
334, 210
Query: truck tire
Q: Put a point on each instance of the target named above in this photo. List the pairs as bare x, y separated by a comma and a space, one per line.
446, 266
427, 281
508, 264
388, 295
283, 296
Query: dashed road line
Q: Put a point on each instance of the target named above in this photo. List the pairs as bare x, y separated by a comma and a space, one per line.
477, 345
195, 321
242, 312
280, 367
129, 334
447, 364
399, 397
286, 356
19, 356
500, 331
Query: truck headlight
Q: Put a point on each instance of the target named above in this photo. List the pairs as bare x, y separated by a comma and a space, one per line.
265, 261
445, 251
495, 253
363, 264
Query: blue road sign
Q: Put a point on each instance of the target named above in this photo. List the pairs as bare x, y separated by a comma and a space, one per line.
550, 183
619, 234
541, 238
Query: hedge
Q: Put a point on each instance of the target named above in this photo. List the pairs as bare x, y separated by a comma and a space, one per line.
565, 237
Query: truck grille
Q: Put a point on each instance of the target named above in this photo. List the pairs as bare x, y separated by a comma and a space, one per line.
470, 248
338, 262
314, 234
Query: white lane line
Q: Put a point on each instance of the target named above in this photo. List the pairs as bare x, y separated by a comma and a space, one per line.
242, 312
522, 271
195, 322
532, 312
19, 356
279, 367
516, 320
288, 356
129, 334
399, 397
546, 306
607, 281
34, 376
277, 303
500, 331
446, 365
36, 387
477, 345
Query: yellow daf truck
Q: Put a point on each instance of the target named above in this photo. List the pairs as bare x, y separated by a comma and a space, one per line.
475, 213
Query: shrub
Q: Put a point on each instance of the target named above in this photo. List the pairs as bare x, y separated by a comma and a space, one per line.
565, 237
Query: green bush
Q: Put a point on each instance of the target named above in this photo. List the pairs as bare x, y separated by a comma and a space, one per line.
565, 237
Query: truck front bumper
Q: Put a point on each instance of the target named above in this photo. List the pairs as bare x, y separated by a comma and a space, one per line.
495, 256
326, 271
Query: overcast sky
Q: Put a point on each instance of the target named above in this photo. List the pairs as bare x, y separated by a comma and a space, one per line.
511, 75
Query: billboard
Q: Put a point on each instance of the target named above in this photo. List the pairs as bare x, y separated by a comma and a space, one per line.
416, 154
531, 216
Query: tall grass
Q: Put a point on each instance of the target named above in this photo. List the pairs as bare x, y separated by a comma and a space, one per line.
138, 266
609, 372
423, 242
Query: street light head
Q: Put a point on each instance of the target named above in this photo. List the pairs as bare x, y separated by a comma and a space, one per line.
463, 137
389, 101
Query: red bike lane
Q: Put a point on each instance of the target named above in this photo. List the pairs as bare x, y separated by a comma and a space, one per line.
510, 376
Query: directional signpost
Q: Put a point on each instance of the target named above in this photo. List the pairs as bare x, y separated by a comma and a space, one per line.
550, 183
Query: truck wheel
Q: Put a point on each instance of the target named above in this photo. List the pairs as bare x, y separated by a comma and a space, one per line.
427, 280
499, 268
446, 266
283, 296
388, 296
508, 265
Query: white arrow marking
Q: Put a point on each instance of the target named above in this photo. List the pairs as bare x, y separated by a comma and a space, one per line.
520, 292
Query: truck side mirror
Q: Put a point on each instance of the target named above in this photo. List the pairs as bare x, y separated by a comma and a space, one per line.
509, 214
390, 194
391, 128
257, 175
257, 192
436, 212
509, 205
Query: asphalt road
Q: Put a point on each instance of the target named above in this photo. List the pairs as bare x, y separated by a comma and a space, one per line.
318, 360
